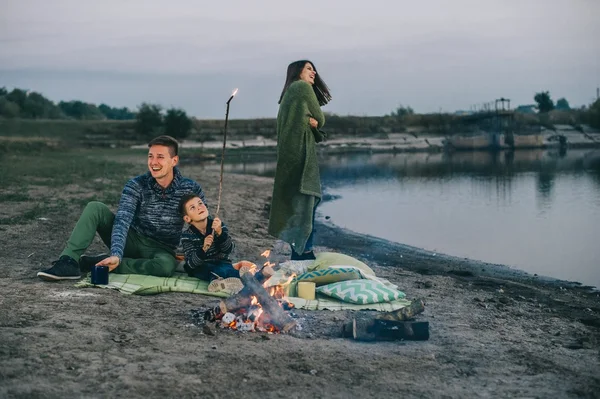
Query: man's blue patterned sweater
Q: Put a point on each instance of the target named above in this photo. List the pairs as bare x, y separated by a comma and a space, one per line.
151, 210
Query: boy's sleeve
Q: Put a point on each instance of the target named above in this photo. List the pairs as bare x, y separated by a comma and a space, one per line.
192, 249
224, 242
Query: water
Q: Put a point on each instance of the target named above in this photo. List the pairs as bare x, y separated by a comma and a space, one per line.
538, 211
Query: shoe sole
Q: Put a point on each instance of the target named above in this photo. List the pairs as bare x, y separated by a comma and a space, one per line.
52, 277
230, 285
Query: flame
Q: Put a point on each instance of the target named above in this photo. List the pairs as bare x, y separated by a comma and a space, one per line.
234, 92
253, 318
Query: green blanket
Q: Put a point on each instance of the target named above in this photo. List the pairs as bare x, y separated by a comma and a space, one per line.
297, 187
149, 285
323, 302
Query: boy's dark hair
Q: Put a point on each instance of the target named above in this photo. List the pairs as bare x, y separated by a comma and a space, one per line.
319, 87
184, 200
167, 141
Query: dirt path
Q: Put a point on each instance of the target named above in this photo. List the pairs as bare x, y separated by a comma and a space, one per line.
494, 333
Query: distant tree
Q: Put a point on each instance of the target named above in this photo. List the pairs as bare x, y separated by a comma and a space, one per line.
17, 96
149, 119
526, 109
544, 102
593, 114
8, 109
402, 111
562, 104
80, 110
177, 123
3, 91
116, 113
37, 107
30, 105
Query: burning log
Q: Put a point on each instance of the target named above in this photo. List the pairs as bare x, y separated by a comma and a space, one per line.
275, 313
242, 299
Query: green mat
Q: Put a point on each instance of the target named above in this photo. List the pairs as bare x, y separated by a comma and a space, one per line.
139, 284
323, 302
149, 285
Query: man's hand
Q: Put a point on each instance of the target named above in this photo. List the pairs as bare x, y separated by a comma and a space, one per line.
217, 226
313, 122
208, 242
112, 262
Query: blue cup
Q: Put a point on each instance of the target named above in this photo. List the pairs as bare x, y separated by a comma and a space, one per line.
100, 275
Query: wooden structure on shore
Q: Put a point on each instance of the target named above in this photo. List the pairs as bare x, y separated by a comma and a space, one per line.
493, 124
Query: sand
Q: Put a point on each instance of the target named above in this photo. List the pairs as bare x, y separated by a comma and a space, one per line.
495, 332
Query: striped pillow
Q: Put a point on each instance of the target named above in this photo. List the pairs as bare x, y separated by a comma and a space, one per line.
331, 275
361, 291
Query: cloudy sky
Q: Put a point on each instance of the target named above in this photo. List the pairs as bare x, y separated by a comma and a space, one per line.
374, 55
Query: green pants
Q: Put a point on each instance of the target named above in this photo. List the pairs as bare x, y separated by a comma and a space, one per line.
142, 255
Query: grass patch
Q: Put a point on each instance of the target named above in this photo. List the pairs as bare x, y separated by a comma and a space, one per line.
94, 169
36, 212
13, 197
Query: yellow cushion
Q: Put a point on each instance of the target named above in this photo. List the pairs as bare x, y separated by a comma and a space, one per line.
326, 259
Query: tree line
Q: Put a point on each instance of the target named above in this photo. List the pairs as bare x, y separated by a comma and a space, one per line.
150, 119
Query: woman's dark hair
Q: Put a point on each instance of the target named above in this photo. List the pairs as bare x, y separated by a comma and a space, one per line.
293, 74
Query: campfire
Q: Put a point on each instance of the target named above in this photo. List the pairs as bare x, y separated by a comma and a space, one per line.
256, 307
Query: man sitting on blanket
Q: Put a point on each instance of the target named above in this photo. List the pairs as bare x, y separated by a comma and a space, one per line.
207, 246
146, 229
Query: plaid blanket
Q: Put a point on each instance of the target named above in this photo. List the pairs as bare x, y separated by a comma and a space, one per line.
149, 285
323, 302
139, 284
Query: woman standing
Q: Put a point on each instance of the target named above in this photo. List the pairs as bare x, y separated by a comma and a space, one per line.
297, 189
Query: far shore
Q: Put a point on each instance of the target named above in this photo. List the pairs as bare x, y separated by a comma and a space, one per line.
407, 142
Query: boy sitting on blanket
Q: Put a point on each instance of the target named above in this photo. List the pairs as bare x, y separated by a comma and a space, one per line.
207, 246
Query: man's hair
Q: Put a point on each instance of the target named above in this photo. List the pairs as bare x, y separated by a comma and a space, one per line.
184, 200
319, 87
167, 141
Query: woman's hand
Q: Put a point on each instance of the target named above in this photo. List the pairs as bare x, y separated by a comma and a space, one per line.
313, 122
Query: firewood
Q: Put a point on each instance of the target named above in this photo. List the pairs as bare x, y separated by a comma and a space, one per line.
278, 317
388, 330
242, 299
406, 313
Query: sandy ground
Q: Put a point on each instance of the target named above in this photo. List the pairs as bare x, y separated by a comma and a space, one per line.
494, 332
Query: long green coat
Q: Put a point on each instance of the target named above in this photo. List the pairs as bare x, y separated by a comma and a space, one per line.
297, 188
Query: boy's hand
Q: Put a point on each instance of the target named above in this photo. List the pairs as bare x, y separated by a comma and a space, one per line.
207, 242
217, 227
112, 262
313, 122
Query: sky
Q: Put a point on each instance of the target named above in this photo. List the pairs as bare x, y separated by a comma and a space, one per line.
374, 55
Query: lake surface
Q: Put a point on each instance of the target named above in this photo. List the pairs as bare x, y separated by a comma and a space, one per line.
537, 210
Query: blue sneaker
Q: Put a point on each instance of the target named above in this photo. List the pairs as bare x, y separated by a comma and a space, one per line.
65, 268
